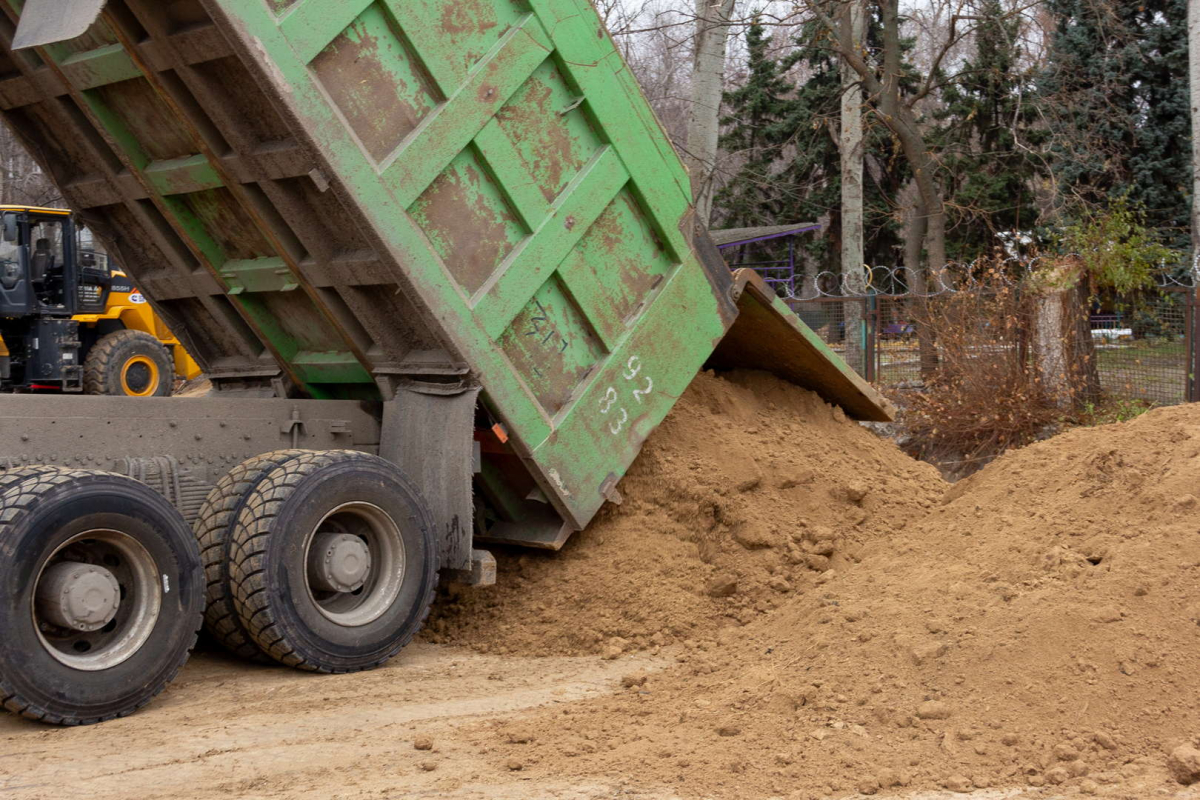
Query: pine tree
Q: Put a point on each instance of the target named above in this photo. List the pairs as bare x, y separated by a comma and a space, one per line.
988, 127
810, 131
809, 128
1117, 102
752, 196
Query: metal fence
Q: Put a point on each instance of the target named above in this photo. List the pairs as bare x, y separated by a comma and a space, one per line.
880, 340
1145, 345
1146, 349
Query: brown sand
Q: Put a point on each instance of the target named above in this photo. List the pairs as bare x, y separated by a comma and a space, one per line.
746, 494
1035, 624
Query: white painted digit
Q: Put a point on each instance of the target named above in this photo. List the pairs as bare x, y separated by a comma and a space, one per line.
616, 427
606, 402
632, 367
638, 394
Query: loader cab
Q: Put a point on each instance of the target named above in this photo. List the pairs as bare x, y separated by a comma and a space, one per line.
43, 270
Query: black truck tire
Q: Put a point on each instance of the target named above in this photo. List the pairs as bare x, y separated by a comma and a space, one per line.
213, 529
128, 363
104, 594
312, 529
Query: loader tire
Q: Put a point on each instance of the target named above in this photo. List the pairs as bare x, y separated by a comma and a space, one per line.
104, 594
333, 562
128, 363
213, 529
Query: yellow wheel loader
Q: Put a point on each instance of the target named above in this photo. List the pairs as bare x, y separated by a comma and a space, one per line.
71, 321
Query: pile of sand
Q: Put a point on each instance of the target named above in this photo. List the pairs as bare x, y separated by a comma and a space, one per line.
749, 493
1039, 623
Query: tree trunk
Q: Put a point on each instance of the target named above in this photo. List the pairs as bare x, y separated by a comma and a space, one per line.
1194, 88
1066, 355
914, 241
708, 84
1085, 371
851, 145
902, 120
1051, 344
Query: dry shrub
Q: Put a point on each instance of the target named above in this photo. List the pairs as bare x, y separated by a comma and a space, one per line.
985, 395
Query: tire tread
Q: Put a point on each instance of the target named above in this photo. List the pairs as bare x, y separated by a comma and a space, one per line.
103, 353
213, 528
20, 490
251, 536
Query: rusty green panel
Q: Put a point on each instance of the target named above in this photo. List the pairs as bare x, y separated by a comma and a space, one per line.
529, 206
453, 38
371, 76
549, 131
552, 346
468, 220
617, 266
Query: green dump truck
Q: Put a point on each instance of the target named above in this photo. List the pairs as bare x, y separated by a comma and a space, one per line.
438, 259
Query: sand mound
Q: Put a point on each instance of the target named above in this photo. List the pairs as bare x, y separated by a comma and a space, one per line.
1038, 626
747, 495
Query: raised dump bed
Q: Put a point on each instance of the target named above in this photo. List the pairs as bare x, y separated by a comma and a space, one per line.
462, 212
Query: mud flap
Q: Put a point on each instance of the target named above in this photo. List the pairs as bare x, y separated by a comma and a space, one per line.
429, 434
48, 21
767, 335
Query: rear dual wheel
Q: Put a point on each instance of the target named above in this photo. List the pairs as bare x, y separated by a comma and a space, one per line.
105, 599
325, 561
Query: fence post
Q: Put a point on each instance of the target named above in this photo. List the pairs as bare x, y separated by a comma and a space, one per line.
870, 357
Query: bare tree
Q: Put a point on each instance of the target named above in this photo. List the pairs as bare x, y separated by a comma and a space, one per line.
1194, 88
708, 84
22, 181
851, 146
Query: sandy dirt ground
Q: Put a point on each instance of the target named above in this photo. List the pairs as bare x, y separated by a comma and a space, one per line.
785, 607
229, 729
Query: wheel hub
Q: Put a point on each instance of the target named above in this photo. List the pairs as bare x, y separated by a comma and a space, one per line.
137, 376
97, 599
338, 562
81, 597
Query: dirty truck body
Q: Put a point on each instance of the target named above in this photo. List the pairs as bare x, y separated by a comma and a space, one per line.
438, 259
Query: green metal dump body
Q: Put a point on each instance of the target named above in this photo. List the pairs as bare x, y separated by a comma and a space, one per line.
348, 196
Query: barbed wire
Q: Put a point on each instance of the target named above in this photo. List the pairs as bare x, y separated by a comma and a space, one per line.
896, 281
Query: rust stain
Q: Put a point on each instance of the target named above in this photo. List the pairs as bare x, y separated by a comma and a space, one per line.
471, 27
233, 231
549, 150
463, 16
473, 229
624, 256
551, 345
376, 84
148, 118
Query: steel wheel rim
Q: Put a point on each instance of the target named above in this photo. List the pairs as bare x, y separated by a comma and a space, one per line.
144, 374
137, 613
382, 586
